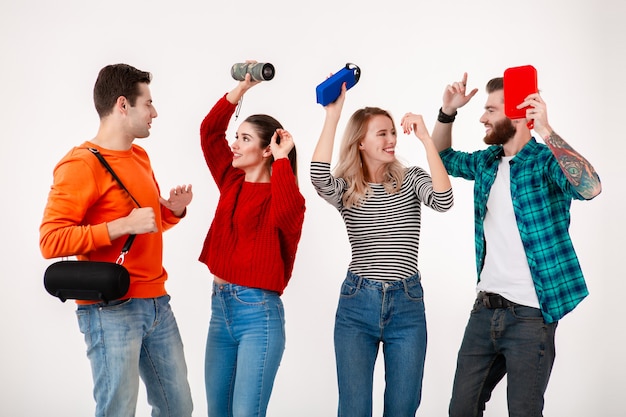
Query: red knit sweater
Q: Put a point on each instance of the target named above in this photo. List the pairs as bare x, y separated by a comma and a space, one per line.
254, 235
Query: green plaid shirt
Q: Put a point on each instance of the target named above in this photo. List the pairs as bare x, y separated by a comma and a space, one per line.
542, 197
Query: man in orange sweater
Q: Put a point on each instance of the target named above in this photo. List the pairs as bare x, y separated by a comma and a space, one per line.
89, 215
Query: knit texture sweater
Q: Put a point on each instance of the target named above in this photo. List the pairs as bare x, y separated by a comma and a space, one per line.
85, 196
254, 235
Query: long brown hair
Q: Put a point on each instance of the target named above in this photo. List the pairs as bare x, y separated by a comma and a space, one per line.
350, 166
266, 126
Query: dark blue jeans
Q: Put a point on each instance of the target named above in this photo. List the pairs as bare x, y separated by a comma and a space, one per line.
514, 341
371, 313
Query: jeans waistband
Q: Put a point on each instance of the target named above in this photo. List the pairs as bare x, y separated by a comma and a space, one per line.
380, 284
228, 288
492, 300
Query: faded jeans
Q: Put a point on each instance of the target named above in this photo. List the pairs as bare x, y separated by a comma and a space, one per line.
134, 338
244, 348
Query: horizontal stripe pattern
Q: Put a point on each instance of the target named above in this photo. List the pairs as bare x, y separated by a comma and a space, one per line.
384, 231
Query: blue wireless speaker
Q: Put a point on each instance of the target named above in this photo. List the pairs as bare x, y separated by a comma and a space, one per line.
329, 90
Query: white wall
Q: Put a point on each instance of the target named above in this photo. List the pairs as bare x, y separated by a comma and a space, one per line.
408, 51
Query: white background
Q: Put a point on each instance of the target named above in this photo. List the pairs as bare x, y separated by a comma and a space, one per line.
408, 51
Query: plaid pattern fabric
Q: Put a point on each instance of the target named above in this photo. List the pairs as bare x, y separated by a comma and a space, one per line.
542, 197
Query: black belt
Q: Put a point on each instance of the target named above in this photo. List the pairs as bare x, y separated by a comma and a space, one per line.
491, 300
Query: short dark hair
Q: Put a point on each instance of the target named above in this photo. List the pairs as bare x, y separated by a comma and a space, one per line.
495, 84
115, 81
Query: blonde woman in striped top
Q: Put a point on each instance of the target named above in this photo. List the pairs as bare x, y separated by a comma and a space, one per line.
381, 299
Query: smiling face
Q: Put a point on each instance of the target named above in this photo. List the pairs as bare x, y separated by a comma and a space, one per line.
140, 115
248, 151
379, 143
499, 128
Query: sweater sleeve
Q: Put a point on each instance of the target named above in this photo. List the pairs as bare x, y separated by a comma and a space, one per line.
62, 232
437, 200
288, 204
329, 188
217, 152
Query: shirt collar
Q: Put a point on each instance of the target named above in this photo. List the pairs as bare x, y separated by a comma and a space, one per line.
529, 150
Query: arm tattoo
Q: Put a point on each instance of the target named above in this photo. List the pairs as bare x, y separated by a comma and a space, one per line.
577, 169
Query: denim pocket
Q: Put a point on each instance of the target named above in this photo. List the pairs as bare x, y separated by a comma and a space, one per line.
527, 313
414, 291
83, 320
348, 289
281, 315
249, 296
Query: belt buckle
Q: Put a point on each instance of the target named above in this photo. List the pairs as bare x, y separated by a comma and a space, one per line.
487, 301
491, 300
484, 298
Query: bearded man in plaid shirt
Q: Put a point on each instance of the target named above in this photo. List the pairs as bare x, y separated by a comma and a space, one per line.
529, 276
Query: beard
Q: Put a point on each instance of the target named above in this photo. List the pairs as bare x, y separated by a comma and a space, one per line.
501, 132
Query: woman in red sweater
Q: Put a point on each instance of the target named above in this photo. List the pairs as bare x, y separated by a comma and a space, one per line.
250, 249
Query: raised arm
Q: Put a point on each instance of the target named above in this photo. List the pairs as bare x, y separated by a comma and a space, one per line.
324, 149
237, 93
415, 122
579, 172
215, 148
454, 97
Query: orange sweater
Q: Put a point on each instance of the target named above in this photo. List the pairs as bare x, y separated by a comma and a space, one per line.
84, 197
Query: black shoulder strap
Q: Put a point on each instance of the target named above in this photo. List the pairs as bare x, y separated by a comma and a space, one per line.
131, 238
108, 167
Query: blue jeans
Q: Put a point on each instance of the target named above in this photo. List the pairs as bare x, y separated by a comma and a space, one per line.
371, 313
244, 347
135, 338
513, 341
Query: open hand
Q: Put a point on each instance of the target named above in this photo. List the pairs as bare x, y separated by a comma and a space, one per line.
455, 97
179, 199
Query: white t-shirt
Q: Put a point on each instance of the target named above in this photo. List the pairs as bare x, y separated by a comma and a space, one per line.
506, 270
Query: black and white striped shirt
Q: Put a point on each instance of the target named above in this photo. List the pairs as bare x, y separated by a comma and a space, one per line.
384, 230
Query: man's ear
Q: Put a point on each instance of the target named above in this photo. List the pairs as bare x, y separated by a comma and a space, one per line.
122, 103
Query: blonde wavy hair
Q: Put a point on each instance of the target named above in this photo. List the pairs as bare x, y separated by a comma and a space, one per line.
350, 166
